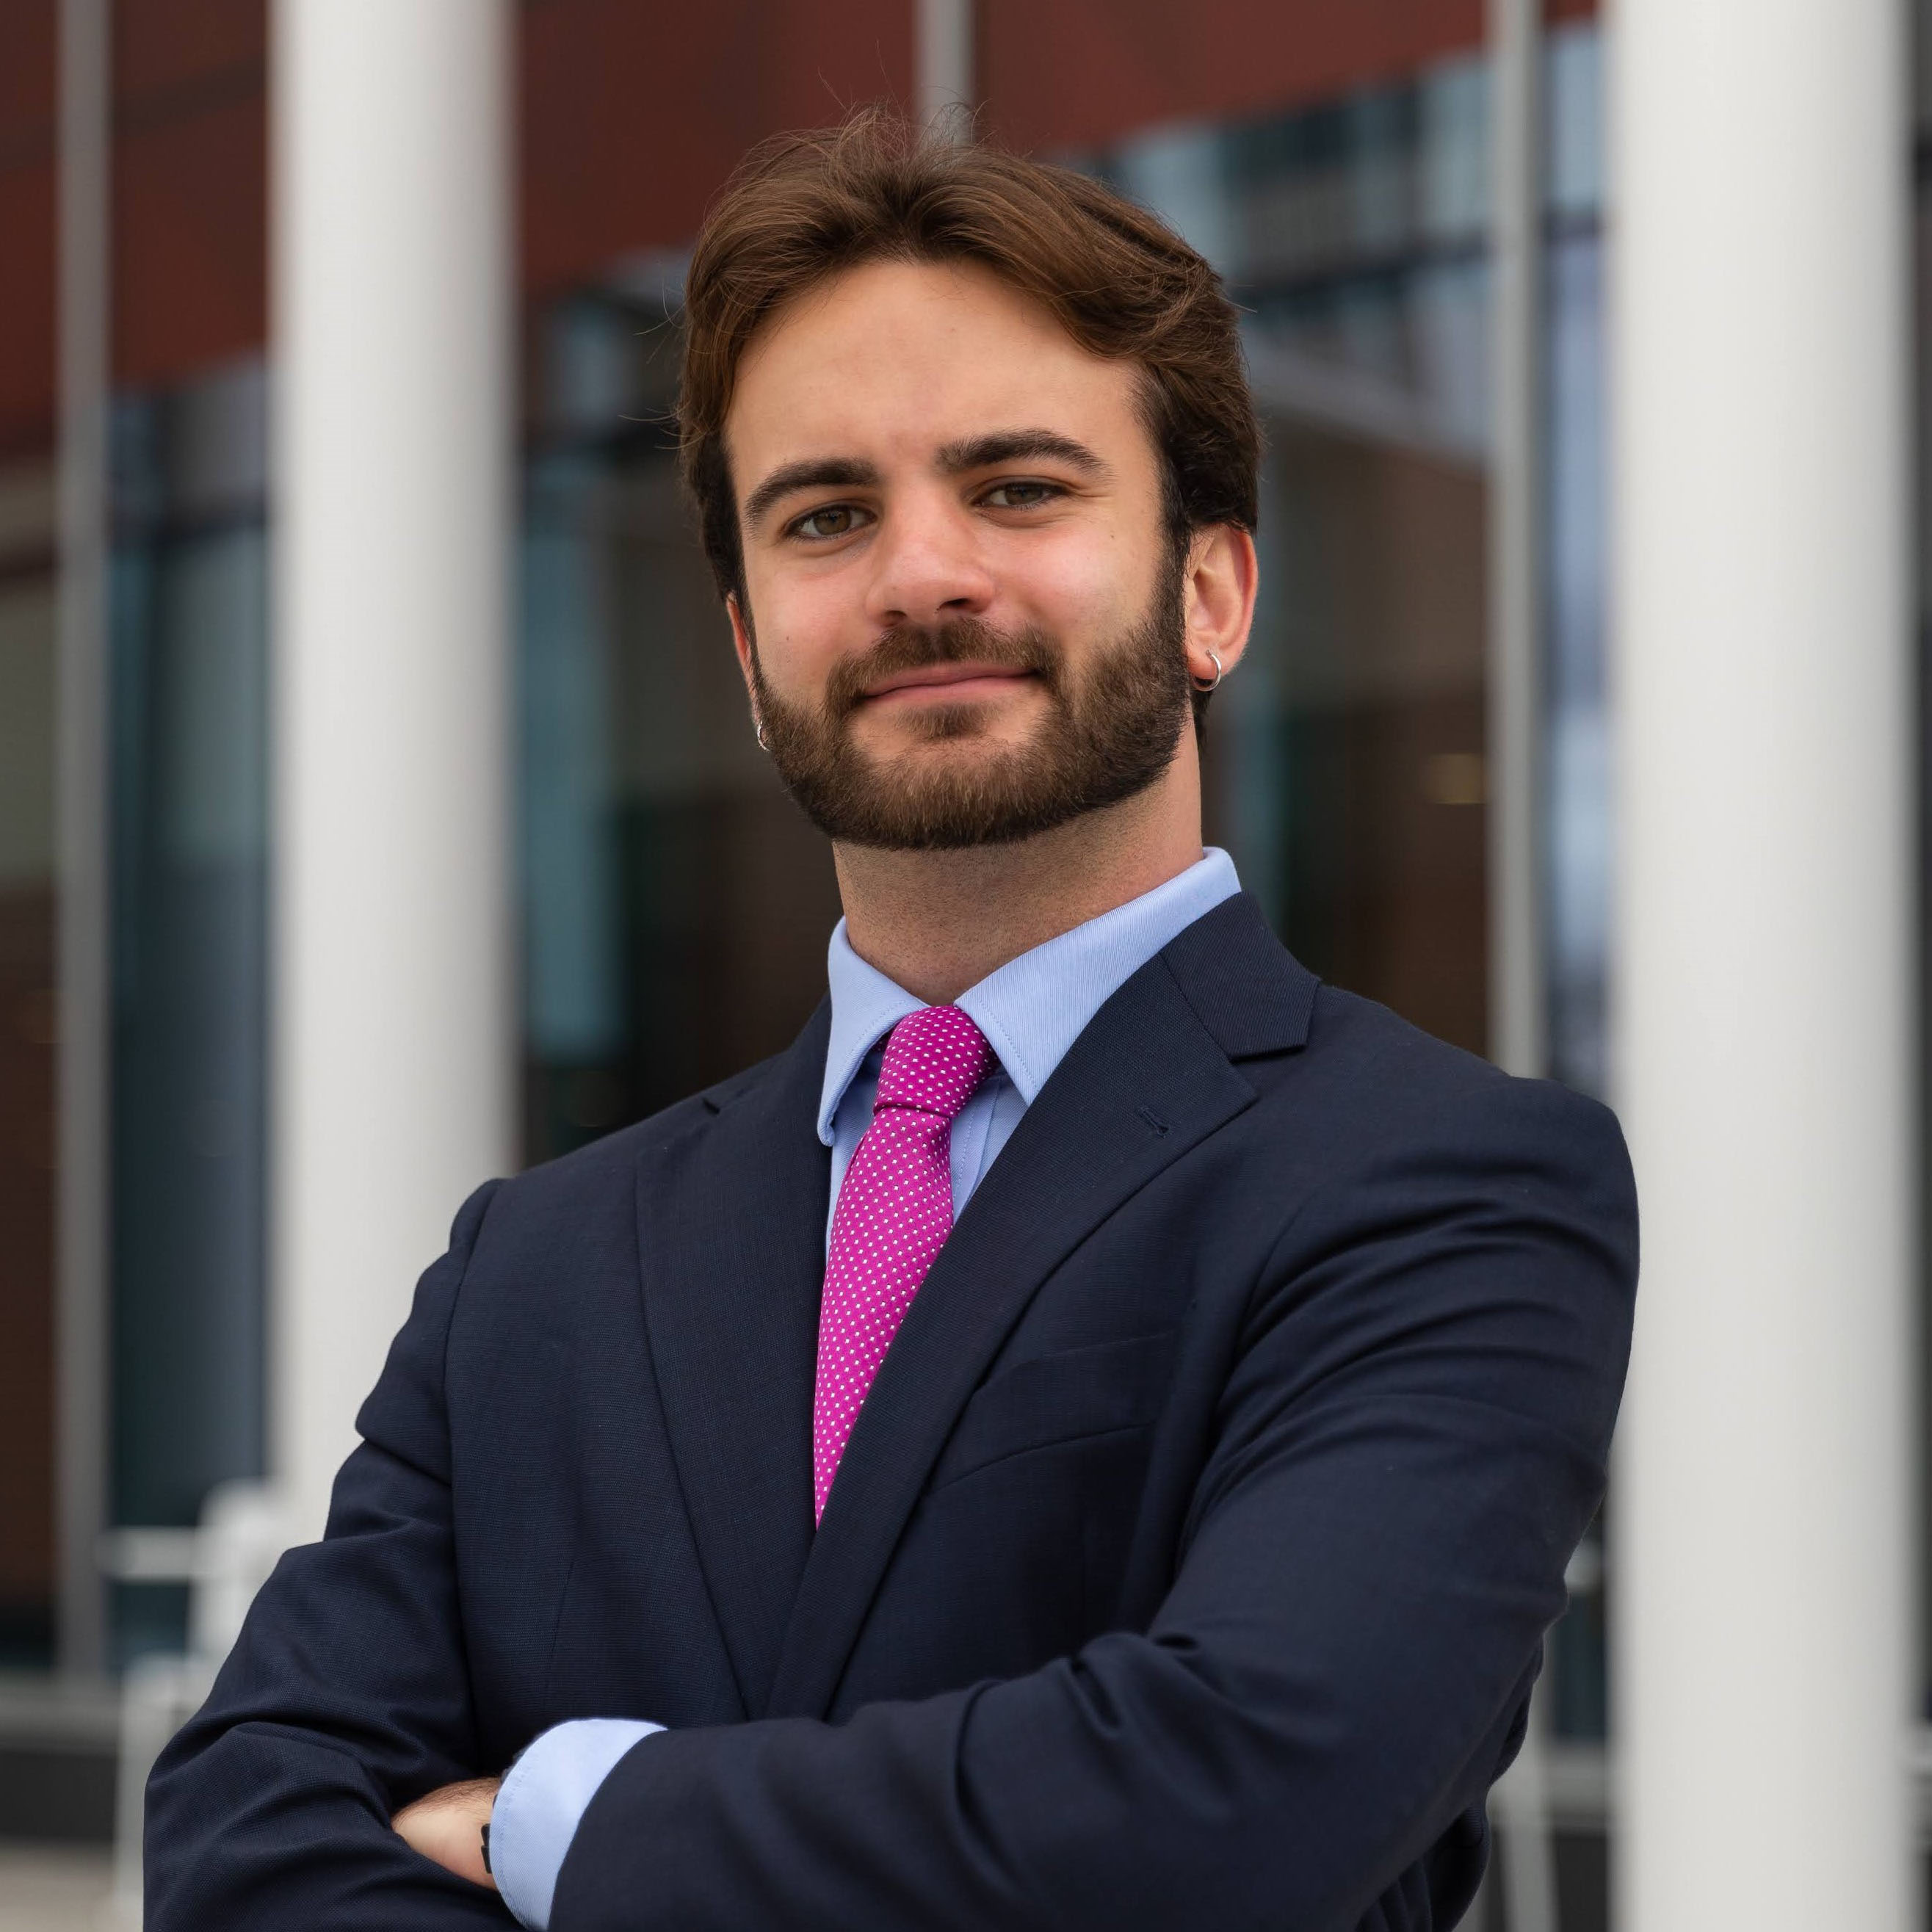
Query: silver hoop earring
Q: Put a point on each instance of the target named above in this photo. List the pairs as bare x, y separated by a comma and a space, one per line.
758, 732
1202, 684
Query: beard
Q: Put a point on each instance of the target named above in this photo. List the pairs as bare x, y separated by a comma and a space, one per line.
1106, 736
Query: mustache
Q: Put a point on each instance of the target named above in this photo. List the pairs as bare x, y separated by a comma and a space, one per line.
916, 646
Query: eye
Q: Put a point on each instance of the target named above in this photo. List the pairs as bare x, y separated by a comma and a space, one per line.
833, 520
1020, 496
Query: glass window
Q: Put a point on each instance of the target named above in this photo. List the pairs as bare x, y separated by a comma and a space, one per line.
677, 903
188, 637
1346, 769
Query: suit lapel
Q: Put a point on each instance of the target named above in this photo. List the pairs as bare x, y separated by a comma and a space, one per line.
731, 1243
1149, 1078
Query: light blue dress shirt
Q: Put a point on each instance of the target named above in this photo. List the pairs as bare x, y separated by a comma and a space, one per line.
1031, 1010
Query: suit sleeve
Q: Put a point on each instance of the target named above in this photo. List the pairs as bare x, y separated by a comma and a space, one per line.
346, 1695
1412, 1439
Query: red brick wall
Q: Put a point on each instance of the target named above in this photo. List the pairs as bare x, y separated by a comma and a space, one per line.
633, 114
26, 227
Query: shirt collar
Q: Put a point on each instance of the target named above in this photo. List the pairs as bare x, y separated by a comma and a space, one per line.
1033, 1008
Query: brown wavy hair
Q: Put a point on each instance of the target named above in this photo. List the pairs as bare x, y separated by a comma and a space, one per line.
802, 207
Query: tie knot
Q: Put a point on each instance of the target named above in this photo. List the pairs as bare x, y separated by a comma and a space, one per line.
934, 1059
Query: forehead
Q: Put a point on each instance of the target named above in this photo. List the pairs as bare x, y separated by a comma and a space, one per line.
893, 359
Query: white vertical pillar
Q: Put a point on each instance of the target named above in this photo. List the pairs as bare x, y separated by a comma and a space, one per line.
392, 1071
1518, 966
1764, 1010
86, 1197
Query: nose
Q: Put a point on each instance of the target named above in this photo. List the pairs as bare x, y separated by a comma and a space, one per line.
929, 566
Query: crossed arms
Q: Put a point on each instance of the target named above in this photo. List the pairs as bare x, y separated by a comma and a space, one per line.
1410, 1438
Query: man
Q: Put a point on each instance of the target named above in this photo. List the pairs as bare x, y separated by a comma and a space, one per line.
1090, 1435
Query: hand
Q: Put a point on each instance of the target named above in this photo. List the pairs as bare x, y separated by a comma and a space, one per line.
447, 1826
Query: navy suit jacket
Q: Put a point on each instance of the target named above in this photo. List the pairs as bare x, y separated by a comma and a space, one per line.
1188, 1564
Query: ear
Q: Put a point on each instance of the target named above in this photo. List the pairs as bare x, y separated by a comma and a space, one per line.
741, 643
1218, 598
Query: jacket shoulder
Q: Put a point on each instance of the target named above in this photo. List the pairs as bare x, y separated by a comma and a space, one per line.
1381, 1096
1358, 1041
604, 1169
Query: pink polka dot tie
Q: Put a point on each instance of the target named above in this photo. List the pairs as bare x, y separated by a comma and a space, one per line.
894, 1213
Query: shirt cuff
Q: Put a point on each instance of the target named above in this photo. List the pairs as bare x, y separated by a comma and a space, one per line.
542, 1802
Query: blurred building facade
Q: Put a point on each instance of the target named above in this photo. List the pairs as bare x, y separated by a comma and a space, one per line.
1334, 162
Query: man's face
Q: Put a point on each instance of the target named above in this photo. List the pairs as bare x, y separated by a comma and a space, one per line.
964, 615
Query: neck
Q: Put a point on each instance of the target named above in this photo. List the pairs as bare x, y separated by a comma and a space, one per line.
938, 923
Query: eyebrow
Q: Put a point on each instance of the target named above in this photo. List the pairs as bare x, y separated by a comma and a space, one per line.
1010, 446
810, 472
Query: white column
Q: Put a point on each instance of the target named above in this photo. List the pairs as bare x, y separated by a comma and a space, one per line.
1765, 1033
1518, 967
393, 1086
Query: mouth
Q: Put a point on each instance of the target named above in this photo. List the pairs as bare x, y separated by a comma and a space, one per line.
947, 684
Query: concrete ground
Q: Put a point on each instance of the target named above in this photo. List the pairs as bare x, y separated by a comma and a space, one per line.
54, 1889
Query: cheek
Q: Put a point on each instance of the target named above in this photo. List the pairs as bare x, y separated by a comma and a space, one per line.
801, 628
1085, 583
